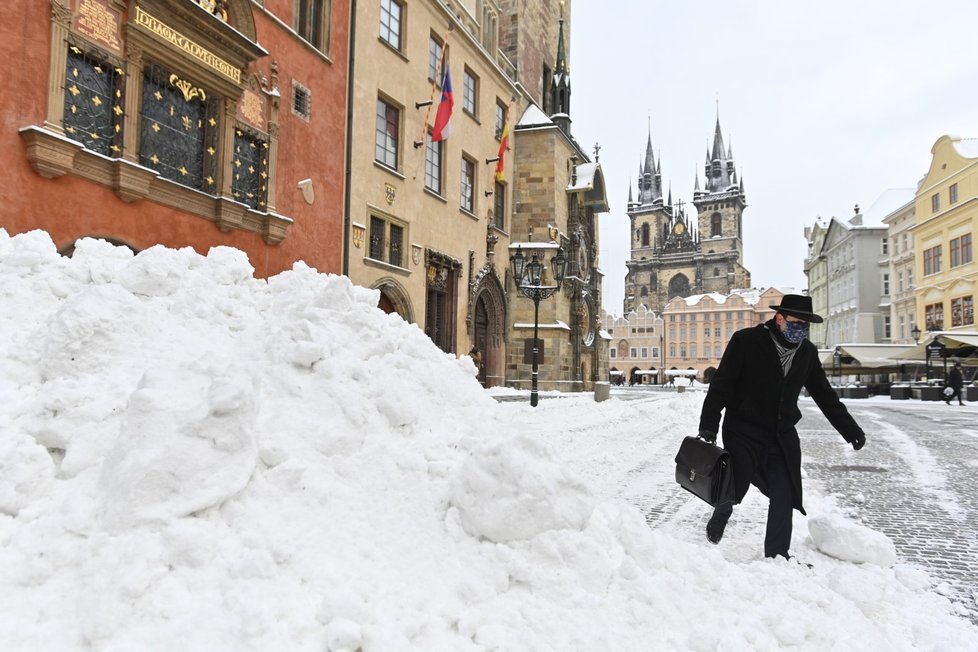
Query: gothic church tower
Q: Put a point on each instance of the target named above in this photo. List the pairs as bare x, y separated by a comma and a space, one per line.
674, 255
720, 206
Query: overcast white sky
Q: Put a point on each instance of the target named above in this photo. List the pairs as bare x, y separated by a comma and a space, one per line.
827, 104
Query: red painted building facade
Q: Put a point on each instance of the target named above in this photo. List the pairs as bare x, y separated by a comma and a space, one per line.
178, 122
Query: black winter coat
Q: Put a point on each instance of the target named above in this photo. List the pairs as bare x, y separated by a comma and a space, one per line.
761, 404
954, 379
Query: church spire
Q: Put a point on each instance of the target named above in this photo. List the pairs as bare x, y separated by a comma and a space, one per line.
560, 89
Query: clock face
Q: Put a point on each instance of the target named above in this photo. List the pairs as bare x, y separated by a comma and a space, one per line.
680, 228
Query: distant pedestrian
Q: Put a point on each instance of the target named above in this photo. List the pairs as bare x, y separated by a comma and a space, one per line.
955, 382
756, 386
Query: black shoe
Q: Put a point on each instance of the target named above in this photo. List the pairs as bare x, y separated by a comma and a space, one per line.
715, 528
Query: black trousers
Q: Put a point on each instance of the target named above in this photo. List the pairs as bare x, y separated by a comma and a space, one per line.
957, 393
771, 477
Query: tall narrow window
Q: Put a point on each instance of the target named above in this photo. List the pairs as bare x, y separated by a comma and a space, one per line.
934, 316
432, 164
467, 191
932, 260
390, 23
500, 119
312, 22
499, 205
716, 224
886, 284
93, 103
435, 60
386, 138
249, 169
470, 88
179, 130
935, 203
952, 194
645, 235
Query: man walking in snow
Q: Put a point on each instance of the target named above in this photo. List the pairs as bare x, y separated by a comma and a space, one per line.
955, 382
756, 386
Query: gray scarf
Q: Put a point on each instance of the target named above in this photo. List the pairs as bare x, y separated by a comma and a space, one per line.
785, 353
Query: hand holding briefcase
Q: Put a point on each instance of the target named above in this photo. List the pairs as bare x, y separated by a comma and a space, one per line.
704, 470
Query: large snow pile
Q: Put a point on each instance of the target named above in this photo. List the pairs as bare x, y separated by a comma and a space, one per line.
194, 459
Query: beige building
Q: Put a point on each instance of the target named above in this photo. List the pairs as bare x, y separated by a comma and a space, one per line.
946, 207
898, 246
425, 217
691, 334
431, 225
816, 270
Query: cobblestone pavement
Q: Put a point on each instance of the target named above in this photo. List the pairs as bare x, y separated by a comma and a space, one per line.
916, 481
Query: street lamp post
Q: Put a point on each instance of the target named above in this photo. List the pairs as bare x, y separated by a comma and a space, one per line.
915, 334
528, 277
837, 365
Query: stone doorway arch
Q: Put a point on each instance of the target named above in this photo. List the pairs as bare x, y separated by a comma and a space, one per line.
394, 299
487, 320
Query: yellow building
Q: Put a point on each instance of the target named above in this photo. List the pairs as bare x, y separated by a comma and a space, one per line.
946, 207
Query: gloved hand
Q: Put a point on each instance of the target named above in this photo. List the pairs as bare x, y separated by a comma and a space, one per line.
706, 435
858, 442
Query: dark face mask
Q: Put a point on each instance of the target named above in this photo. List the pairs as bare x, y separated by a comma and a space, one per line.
795, 331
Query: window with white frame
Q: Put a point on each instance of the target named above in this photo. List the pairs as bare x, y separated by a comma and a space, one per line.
467, 190
470, 89
432, 164
386, 139
435, 60
886, 284
391, 12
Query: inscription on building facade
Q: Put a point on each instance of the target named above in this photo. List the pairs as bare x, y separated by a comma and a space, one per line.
195, 50
98, 21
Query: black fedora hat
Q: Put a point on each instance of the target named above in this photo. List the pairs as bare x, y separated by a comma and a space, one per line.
798, 305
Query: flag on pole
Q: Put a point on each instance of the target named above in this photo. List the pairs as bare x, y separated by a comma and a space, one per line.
500, 176
443, 119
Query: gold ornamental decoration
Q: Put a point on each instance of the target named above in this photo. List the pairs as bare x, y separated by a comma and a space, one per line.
189, 90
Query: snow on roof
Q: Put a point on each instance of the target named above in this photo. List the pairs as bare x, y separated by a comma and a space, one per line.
585, 177
888, 202
533, 117
696, 298
966, 147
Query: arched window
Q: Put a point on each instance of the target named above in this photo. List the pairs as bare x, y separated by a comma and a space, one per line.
716, 271
645, 235
715, 224
645, 291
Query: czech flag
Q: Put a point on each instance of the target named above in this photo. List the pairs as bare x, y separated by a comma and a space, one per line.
443, 119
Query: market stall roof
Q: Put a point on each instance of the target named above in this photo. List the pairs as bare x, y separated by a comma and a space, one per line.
681, 372
958, 343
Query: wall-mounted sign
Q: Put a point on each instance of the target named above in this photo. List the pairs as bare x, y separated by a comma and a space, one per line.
100, 22
197, 51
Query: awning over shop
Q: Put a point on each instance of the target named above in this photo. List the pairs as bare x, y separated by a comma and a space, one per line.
960, 344
864, 358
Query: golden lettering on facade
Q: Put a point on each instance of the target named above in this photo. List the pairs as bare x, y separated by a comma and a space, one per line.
98, 22
198, 52
252, 109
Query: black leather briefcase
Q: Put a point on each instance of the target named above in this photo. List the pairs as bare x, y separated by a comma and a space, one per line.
704, 470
